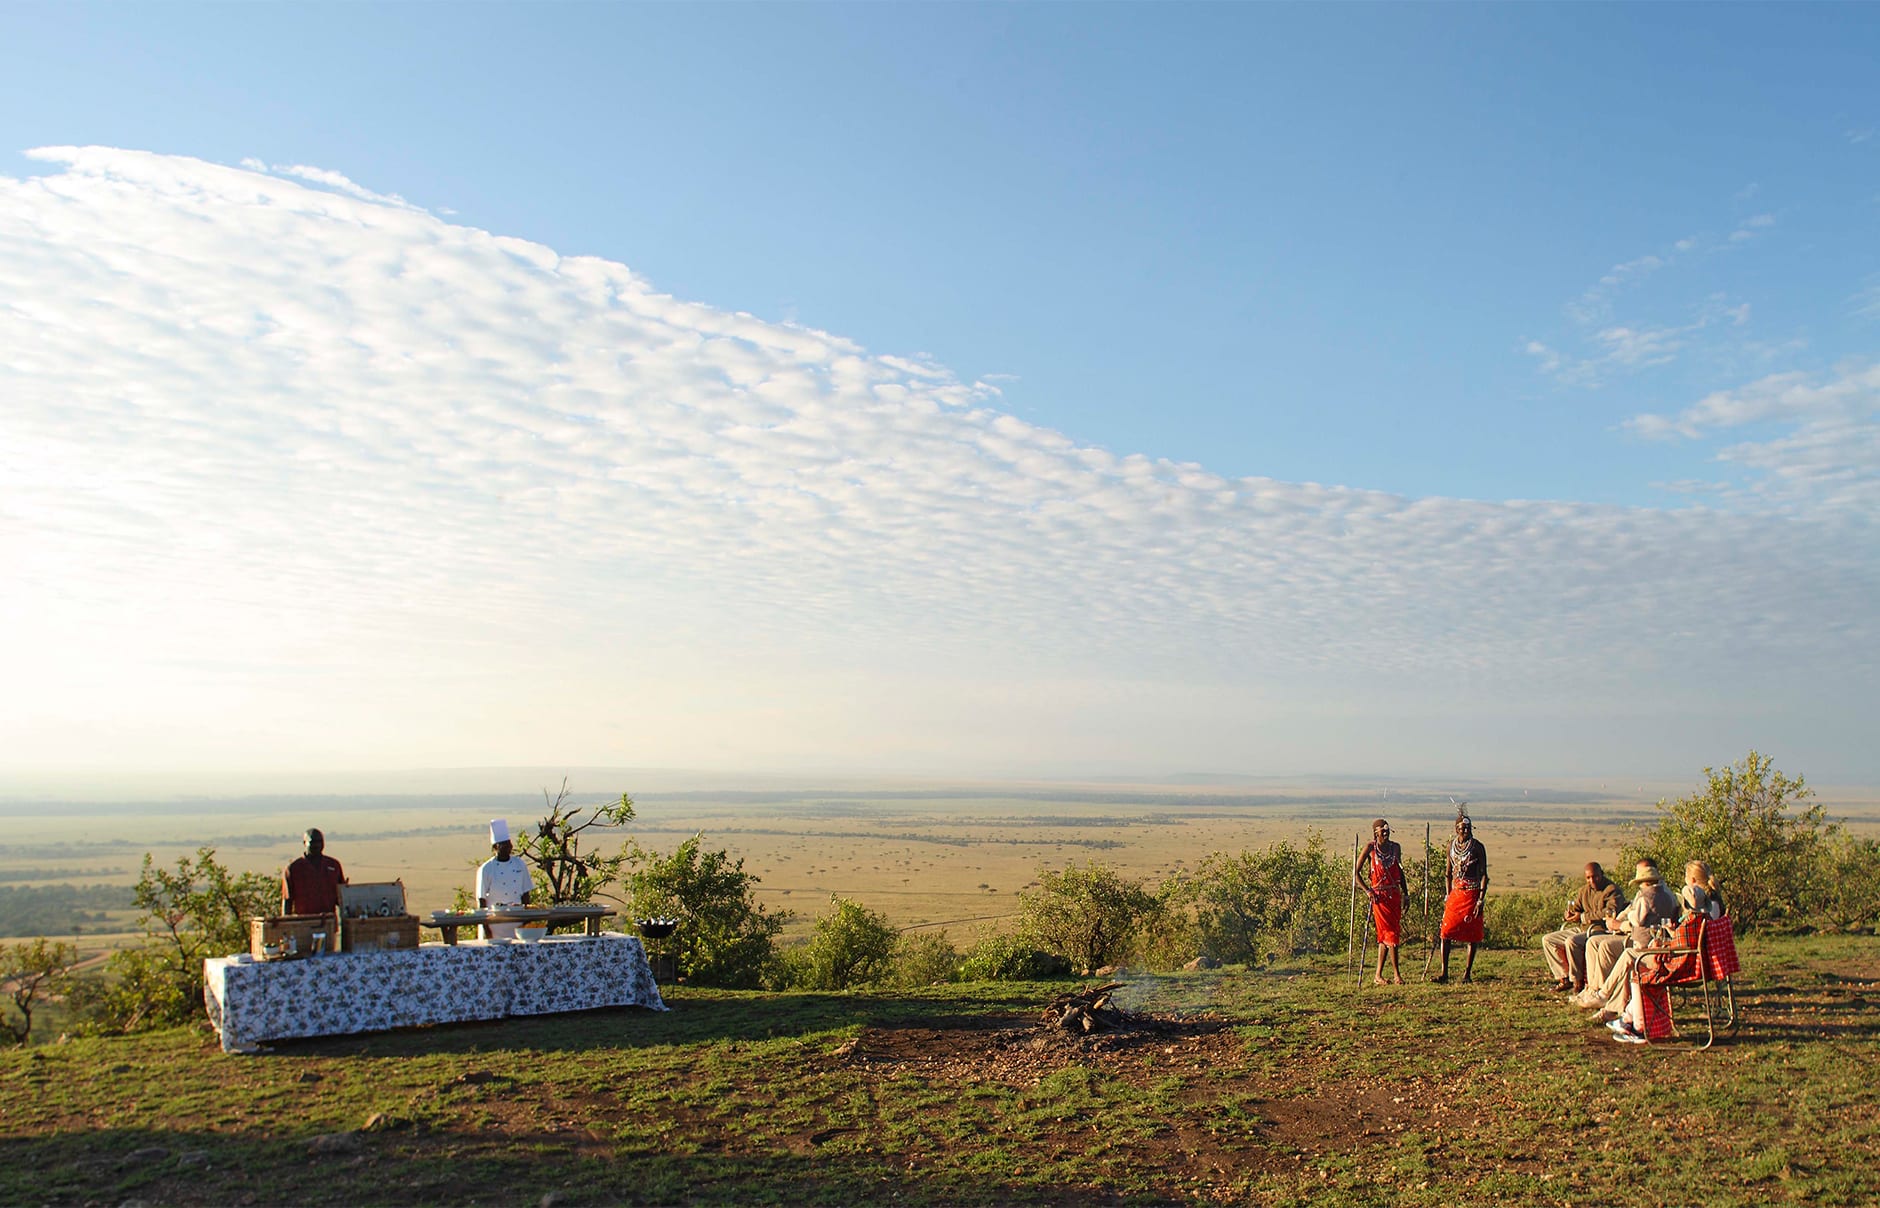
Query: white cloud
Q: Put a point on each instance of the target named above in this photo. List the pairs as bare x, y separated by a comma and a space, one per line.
296, 474
1827, 451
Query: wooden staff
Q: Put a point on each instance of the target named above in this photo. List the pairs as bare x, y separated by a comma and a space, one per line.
1428, 930
1351, 933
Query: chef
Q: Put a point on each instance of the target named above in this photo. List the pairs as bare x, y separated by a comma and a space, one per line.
503, 880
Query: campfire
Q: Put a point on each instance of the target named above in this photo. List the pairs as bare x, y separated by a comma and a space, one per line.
1085, 1011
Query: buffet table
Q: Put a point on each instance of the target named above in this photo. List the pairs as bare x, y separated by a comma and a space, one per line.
254, 1001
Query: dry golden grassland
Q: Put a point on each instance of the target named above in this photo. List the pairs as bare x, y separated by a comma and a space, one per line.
953, 859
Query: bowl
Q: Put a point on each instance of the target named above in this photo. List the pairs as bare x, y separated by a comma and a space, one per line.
656, 929
530, 935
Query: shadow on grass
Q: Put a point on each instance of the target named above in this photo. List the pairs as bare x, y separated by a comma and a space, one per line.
693, 1019
416, 1166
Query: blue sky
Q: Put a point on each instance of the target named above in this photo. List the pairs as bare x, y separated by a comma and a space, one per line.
1445, 253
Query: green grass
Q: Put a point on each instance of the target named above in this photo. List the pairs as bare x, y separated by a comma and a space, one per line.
1282, 1086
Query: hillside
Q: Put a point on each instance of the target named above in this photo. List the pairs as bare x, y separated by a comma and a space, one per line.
1279, 1086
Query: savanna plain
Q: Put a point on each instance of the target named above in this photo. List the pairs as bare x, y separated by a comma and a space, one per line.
1289, 1083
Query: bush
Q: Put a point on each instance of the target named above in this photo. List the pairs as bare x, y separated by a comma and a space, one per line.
724, 937
1519, 919
1764, 854
851, 946
1089, 915
196, 911
31, 973
1285, 900
1006, 957
924, 958
1849, 897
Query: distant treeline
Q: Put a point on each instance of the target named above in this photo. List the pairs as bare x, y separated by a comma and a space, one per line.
57, 909
885, 837
56, 874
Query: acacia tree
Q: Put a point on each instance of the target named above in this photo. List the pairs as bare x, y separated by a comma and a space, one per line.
1764, 849
30, 973
565, 874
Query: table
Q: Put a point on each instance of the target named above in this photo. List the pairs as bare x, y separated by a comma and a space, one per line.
447, 924
254, 1001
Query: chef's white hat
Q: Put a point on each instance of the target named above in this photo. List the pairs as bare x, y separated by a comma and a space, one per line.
499, 831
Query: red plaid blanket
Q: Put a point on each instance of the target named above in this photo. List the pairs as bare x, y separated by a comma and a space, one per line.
1720, 948
1670, 968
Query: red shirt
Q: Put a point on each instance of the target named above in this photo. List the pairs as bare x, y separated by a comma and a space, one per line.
311, 886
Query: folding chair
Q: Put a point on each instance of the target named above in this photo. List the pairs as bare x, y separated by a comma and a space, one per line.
1701, 953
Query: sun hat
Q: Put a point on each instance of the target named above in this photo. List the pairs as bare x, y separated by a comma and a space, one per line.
1647, 871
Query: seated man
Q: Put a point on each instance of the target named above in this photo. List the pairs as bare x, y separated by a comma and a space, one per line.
1565, 950
310, 885
1631, 928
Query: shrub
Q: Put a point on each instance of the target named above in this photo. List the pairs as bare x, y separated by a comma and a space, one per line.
724, 937
197, 910
1285, 900
1519, 919
1763, 852
1008, 957
924, 958
30, 972
851, 946
1849, 896
1091, 915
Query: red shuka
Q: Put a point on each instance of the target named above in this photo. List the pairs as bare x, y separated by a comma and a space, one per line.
1460, 920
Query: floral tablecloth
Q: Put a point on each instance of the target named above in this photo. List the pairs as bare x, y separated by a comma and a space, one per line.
251, 1002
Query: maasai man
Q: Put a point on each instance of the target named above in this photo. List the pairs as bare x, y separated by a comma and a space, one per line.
1466, 874
1379, 872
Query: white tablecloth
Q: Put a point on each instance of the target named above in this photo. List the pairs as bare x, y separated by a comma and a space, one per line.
250, 1002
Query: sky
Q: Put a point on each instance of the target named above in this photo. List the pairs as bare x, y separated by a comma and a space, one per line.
952, 390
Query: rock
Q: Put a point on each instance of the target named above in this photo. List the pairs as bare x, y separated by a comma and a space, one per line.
1204, 961
194, 1157
332, 1144
146, 1155
376, 1122
553, 1199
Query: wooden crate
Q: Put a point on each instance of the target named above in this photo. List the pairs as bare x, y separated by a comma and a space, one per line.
281, 928
374, 934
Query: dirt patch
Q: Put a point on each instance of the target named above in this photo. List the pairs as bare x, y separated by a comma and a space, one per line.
1015, 1050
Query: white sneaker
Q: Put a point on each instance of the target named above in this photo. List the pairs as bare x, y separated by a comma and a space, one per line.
1628, 1037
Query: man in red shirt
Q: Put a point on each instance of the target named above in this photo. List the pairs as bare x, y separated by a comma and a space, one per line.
311, 884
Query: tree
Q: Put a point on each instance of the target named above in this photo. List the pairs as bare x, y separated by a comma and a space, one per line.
724, 937
851, 946
1763, 850
561, 871
196, 910
28, 974
1091, 915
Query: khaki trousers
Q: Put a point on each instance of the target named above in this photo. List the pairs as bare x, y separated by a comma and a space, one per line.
1565, 951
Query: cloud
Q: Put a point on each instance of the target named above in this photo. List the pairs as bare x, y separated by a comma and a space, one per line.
316, 474
1827, 449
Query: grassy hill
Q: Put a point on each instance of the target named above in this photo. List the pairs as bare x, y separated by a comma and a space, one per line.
1278, 1086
